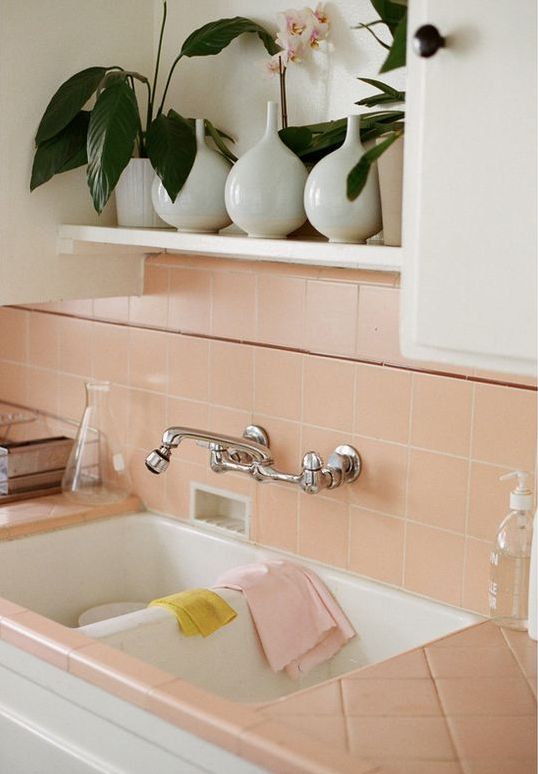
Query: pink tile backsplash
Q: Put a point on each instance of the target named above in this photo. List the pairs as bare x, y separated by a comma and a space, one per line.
313, 356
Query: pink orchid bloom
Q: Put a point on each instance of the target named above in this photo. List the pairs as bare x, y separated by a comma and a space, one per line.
273, 64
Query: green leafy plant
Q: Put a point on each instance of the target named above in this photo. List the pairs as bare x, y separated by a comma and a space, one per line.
107, 136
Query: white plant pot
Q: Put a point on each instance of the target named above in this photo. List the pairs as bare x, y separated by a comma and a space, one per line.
264, 190
390, 167
199, 207
133, 196
325, 199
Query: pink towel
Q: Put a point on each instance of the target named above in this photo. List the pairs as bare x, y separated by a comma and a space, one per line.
299, 623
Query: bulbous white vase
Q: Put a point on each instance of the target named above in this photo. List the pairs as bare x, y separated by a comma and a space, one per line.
199, 206
264, 190
133, 196
325, 199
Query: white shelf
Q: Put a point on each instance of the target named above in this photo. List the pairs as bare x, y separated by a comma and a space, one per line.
229, 244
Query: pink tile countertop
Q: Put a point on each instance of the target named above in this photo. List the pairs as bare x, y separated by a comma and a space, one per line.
464, 704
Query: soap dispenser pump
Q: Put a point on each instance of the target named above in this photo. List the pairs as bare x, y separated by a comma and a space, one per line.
510, 558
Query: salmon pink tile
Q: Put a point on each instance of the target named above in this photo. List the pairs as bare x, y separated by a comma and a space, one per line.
499, 766
410, 665
229, 420
416, 767
204, 714
44, 342
147, 419
488, 500
78, 307
505, 426
150, 488
14, 338
115, 671
278, 383
437, 489
524, 650
151, 308
441, 413
390, 698
231, 375
502, 378
276, 517
179, 480
75, 346
45, 391
188, 367
277, 747
234, 305
41, 637
476, 577
321, 700
8, 608
148, 359
471, 662
417, 738
382, 403
499, 695
281, 310
331, 317
378, 324
329, 730
383, 480
189, 308
115, 309
323, 530
13, 382
494, 738
434, 563
328, 391
376, 545
110, 353
484, 635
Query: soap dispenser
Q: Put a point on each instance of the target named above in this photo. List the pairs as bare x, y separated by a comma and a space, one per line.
510, 559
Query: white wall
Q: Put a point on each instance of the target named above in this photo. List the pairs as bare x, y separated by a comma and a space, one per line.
232, 88
43, 42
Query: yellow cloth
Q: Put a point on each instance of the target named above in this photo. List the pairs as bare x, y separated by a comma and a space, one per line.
198, 611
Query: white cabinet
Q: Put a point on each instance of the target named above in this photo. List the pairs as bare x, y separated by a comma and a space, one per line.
469, 264
42, 43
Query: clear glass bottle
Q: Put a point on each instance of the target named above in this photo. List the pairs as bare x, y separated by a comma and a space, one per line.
510, 560
96, 473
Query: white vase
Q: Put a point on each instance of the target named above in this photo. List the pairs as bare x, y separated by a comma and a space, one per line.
325, 199
199, 206
264, 190
133, 196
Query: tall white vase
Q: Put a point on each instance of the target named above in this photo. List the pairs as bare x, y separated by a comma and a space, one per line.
133, 196
264, 190
325, 199
199, 207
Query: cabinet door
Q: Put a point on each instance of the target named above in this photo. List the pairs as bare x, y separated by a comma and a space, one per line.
469, 278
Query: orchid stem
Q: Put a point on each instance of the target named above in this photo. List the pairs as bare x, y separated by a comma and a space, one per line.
283, 101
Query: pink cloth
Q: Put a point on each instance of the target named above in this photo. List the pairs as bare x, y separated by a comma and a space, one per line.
299, 623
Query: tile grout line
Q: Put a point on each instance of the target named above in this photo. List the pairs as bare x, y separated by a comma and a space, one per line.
443, 710
407, 474
468, 496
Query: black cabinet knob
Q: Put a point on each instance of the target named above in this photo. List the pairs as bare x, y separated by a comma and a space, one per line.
427, 40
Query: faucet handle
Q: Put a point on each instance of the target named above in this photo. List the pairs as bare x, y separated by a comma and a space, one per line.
312, 461
344, 464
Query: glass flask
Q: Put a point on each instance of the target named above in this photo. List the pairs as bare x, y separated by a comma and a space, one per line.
96, 473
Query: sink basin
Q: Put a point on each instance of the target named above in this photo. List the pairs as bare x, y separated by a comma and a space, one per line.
144, 556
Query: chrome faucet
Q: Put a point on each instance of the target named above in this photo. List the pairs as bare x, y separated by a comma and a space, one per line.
251, 455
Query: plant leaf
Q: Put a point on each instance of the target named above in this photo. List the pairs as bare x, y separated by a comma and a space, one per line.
213, 37
68, 100
356, 180
376, 99
297, 138
171, 146
66, 150
113, 127
217, 136
384, 87
397, 54
390, 12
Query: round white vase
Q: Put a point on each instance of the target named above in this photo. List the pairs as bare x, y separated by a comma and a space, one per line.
199, 206
133, 196
264, 190
325, 199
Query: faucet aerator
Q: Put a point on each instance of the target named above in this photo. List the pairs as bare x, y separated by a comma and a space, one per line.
156, 462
